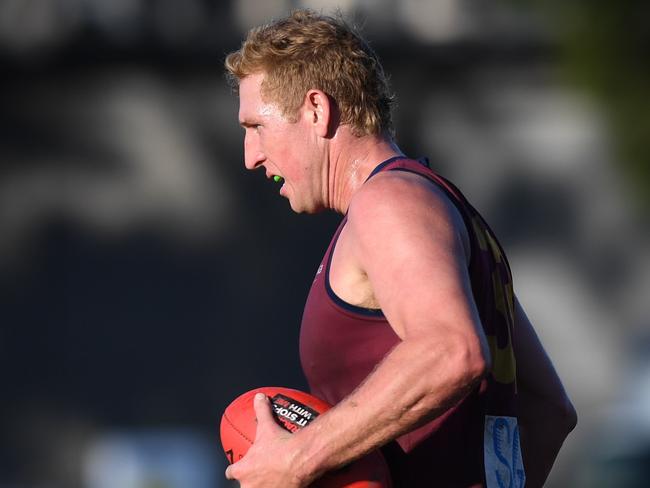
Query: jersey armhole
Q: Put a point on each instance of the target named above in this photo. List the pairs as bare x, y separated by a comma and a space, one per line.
337, 300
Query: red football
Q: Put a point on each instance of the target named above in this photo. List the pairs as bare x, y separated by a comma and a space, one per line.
294, 410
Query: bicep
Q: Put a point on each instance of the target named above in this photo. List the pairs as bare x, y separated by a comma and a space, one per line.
411, 248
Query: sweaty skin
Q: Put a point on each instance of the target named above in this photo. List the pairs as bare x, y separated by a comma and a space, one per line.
404, 249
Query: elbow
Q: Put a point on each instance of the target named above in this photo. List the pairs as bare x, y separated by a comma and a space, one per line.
460, 363
460, 366
472, 362
480, 359
479, 366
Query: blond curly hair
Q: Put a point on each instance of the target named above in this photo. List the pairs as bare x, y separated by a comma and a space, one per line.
307, 51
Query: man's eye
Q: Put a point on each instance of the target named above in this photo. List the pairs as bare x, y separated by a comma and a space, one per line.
255, 127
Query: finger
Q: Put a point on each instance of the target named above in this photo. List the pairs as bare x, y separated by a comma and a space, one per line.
233, 472
263, 412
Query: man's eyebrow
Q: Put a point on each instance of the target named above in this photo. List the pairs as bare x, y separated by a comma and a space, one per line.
246, 123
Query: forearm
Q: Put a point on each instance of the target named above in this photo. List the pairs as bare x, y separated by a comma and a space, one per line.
416, 382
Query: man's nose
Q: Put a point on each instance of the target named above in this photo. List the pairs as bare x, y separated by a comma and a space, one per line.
253, 155
253, 159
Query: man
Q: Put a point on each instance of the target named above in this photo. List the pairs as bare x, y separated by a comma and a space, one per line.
411, 327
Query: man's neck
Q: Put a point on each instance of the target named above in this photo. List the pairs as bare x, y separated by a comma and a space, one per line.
350, 167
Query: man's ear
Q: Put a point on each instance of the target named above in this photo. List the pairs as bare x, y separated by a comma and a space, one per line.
318, 110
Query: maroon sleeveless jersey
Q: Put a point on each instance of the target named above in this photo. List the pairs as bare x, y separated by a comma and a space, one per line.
475, 443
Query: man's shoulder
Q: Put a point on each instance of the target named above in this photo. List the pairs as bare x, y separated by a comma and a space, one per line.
399, 192
399, 206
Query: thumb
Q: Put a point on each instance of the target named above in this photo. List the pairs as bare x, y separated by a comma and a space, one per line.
263, 414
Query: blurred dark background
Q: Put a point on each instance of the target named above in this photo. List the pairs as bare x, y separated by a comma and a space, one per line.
146, 279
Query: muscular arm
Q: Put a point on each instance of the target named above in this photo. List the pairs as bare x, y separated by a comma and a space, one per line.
408, 239
546, 415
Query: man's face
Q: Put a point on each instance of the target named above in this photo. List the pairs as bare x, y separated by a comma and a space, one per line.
284, 148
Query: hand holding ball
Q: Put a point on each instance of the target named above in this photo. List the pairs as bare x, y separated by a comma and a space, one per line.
294, 410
